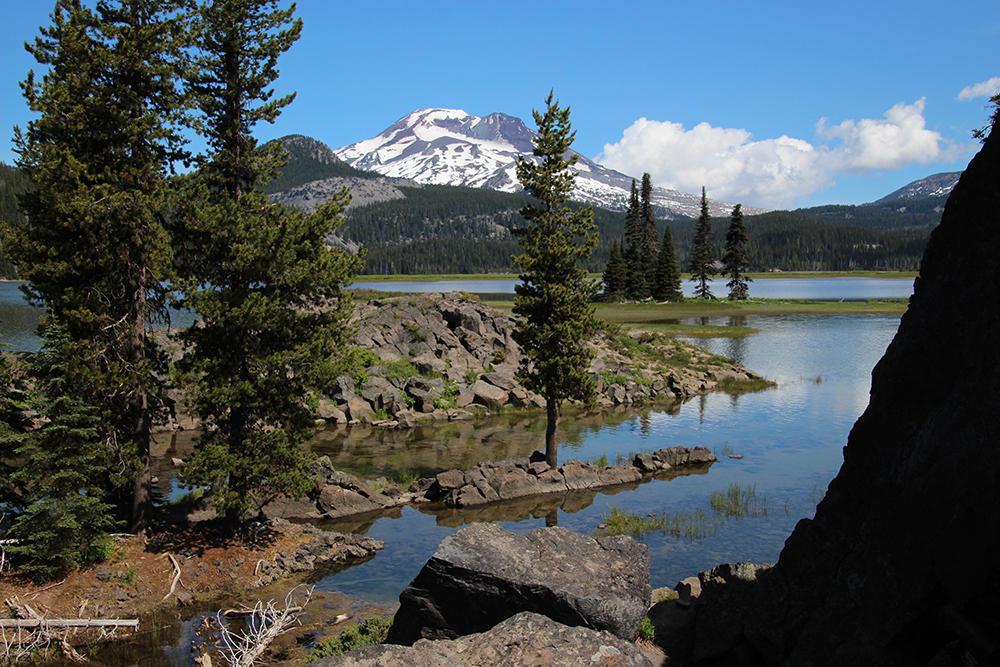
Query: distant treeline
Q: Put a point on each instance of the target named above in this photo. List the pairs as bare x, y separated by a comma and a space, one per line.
448, 229
443, 229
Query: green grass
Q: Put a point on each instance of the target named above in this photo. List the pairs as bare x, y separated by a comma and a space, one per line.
689, 525
618, 522
405, 477
665, 318
368, 632
738, 501
734, 386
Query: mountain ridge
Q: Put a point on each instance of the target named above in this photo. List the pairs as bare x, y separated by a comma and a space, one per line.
451, 147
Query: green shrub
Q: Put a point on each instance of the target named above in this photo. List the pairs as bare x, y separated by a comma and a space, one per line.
368, 632
646, 630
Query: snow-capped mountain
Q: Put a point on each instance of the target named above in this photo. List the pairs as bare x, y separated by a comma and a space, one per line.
937, 185
452, 147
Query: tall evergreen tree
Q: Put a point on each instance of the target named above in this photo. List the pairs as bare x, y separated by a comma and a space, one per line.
636, 286
554, 297
268, 289
95, 253
701, 252
667, 286
65, 520
737, 257
649, 248
615, 275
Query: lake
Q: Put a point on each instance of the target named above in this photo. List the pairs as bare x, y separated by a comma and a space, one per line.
791, 439
18, 320
818, 289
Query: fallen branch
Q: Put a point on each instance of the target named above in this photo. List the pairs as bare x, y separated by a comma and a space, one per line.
265, 624
69, 622
177, 577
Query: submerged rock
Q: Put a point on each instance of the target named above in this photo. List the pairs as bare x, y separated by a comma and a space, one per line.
483, 574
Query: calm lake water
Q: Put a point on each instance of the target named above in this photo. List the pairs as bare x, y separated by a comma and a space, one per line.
791, 438
18, 320
820, 289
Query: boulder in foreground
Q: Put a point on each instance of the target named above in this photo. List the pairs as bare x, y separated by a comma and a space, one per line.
484, 574
525, 639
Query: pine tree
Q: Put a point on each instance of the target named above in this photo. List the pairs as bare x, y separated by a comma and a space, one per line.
667, 286
737, 258
615, 275
554, 297
268, 289
701, 252
649, 249
12, 424
65, 521
636, 286
95, 253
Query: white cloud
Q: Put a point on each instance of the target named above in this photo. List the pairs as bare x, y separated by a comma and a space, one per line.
984, 89
772, 173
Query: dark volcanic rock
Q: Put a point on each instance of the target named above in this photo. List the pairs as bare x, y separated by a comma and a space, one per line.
900, 564
525, 639
483, 574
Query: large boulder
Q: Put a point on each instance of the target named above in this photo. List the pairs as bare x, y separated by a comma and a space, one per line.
483, 574
899, 565
525, 639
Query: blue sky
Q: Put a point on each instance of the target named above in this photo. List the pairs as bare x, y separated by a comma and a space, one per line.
773, 104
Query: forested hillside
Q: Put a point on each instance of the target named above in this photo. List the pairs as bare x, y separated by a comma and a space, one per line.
310, 160
12, 181
450, 229
445, 229
894, 215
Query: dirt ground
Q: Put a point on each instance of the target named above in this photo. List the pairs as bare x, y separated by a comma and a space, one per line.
141, 581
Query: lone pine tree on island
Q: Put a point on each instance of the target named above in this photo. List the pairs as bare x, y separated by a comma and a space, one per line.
736, 259
701, 252
554, 297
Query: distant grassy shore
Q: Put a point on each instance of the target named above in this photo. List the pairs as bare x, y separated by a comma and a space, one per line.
903, 275
665, 318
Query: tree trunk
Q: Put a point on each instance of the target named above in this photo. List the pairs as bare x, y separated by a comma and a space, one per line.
142, 489
551, 445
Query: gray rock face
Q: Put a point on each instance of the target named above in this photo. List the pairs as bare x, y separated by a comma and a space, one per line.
483, 574
525, 639
899, 565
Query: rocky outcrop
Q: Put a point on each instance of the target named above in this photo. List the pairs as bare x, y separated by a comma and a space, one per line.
518, 477
899, 565
338, 495
449, 357
483, 574
524, 639
323, 548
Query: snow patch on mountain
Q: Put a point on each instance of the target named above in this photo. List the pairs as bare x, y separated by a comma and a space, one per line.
452, 147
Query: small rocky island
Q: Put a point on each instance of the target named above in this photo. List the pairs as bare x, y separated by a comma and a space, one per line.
448, 357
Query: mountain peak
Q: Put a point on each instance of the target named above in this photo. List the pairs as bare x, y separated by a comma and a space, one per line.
452, 147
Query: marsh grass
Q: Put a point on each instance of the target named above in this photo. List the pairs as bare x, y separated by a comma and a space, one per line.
733, 386
405, 477
738, 501
691, 526
723, 452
